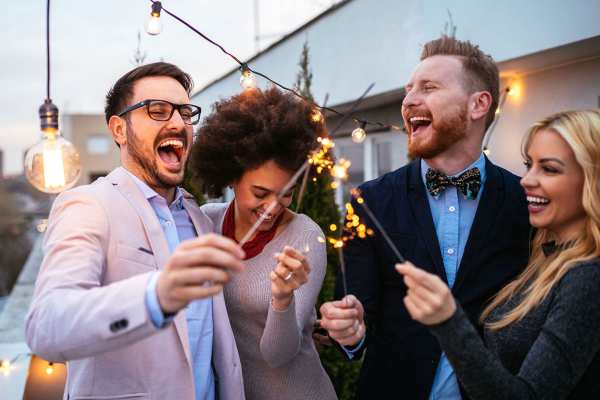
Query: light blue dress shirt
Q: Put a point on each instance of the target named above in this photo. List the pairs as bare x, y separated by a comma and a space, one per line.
177, 226
453, 216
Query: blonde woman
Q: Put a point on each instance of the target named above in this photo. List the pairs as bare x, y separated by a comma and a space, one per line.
541, 331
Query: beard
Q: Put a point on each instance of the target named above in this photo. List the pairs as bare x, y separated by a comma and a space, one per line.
148, 164
448, 129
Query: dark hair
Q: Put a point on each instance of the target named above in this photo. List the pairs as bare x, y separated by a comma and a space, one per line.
481, 70
120, 94
249, 129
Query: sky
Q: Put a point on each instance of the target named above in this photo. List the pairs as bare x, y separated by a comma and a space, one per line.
93, 44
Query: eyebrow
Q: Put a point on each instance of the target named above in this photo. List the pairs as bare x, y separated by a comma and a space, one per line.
542, 160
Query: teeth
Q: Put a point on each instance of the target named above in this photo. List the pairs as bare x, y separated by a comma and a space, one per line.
266, 217
537, 200
414, 119
171, 142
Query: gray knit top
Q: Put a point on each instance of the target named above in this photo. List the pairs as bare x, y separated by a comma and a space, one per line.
552, 353
277, 352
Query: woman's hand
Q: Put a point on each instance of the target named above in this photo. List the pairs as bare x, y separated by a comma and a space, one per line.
428, 299
290, 273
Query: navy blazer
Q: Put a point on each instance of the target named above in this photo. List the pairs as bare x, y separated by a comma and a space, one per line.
401, 355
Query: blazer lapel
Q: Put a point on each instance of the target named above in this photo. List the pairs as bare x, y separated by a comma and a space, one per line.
201, 222
156, 237
422, 216
486, 214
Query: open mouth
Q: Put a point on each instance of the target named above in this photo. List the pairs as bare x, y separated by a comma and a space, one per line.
264, 216
536, 203
418, 124
170, 152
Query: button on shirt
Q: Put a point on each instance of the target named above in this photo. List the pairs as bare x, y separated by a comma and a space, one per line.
177, 226
453, 216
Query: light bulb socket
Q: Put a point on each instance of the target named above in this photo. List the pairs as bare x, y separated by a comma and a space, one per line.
156, 9
48, 116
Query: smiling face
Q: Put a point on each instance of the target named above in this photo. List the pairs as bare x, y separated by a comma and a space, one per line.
435, 108
554, 185
256, 190
156, 151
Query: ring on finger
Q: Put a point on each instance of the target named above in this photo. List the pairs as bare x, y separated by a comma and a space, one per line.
289, 276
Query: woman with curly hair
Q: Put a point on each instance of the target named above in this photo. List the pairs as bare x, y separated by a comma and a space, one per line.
254, 142
542, 330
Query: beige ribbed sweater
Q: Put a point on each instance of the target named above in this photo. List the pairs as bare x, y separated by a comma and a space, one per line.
277, 352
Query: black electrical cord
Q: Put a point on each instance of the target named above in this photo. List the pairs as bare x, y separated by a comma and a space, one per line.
244, 66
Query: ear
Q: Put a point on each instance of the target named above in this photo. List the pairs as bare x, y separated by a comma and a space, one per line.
479, 104
118, 128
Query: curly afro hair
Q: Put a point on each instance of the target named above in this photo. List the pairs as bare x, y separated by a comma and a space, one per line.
249, 129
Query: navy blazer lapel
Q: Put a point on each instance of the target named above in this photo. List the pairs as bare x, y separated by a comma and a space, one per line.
486, 214
422, 215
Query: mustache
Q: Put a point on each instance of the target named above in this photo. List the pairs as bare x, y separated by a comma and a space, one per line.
180, 135
415, 112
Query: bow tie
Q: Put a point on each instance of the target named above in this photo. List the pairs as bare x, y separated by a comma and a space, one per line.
468, 183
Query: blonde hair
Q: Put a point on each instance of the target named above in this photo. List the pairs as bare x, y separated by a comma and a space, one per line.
581, 130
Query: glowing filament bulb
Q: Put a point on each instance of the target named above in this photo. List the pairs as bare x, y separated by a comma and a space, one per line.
359, 134
50, 369
247, 79
333, 227
316, 115
54, 169
153, 25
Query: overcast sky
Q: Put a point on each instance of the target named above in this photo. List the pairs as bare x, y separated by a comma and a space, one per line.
93, 43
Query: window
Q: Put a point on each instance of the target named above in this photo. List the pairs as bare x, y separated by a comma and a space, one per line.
98, 144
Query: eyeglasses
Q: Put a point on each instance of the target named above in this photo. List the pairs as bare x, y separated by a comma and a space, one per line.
162, 110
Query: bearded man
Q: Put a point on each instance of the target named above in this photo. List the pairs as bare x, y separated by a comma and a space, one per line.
450, 211
129, 293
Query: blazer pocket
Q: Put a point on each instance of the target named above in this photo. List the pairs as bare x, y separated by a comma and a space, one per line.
136, 255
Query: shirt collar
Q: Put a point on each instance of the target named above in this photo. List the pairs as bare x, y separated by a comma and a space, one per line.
150, 193
479, 163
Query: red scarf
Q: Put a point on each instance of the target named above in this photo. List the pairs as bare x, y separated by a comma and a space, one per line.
253, 247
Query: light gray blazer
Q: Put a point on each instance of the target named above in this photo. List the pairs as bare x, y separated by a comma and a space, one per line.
89, 307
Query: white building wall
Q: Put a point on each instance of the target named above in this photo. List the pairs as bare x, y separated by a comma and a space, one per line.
379, 41
574, 86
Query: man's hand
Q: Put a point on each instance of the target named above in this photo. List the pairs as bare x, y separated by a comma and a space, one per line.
197, 269
344, 320
428, 299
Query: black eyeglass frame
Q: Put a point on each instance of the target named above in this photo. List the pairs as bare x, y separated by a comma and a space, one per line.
174, 107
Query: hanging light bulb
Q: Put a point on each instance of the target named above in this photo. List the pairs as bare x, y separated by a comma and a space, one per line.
5, 367
247, 80
359, 134
52, 165
50, 368
153, 25
316, 115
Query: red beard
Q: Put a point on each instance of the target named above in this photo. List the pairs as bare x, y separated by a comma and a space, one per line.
447, 130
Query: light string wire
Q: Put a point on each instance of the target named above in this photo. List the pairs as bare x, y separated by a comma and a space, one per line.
244, 66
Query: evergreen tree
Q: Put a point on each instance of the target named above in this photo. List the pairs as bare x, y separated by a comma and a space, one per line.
318, 202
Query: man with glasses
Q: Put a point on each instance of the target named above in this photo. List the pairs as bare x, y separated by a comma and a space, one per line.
129, 291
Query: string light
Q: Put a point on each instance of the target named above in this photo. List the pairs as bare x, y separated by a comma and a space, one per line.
50, 368
247, 79
51, 165
154, 25
244, 67
359, 134
316, 115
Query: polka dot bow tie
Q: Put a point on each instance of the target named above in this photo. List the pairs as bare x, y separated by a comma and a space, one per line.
468, 183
